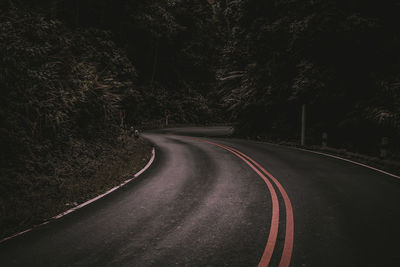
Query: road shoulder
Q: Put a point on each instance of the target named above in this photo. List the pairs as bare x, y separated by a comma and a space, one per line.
55, 194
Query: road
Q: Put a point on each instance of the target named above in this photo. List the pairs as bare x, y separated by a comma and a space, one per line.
214, 201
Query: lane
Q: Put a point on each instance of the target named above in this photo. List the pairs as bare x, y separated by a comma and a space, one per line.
196, 205
289, 231
273, 232
200, 205
345, 214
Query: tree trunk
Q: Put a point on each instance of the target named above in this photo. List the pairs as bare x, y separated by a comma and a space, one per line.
155, 59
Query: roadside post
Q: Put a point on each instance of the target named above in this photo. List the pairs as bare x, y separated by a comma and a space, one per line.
166, 113
324, 139
384, 147
303, 124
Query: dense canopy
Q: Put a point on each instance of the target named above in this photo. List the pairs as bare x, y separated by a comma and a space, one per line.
249, 62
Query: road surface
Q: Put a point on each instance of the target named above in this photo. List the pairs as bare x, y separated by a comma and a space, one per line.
213, 201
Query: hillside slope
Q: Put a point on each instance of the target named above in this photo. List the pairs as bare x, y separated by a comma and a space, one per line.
59, 117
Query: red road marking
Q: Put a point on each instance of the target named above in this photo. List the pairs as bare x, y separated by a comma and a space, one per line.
269, 249
289, 231
289, 237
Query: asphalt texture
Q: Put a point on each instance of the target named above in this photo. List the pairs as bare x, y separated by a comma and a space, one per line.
200, 205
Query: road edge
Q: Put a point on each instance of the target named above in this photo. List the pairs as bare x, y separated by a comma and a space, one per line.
336, 157
153, 154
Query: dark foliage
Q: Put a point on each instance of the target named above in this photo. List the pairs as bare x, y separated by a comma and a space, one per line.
173, 45
61, 94
56, 83
341, 58
70, 70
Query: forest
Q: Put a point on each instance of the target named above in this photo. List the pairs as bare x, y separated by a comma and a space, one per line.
206, 61
70, 68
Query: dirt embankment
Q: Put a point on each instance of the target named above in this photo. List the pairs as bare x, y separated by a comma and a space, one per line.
62, 91
68, 178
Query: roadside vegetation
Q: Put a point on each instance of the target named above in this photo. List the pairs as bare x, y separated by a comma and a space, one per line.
59, 112
339, 58
73, 72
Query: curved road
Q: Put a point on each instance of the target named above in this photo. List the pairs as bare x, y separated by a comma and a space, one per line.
210, 201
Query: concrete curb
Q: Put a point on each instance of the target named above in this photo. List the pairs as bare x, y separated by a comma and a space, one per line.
87, 202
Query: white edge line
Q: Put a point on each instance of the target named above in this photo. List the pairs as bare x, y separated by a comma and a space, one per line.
340, 158
153, 154
352, 161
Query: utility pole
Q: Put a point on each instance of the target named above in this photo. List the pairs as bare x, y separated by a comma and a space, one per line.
77, 13
303, 124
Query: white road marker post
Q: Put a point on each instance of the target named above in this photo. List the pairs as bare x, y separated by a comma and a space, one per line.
324, 139
166, 113
303, 124
384, 146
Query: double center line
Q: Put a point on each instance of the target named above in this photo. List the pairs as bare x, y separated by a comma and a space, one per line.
269, 179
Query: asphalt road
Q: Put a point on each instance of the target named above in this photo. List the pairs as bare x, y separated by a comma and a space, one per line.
202, 203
